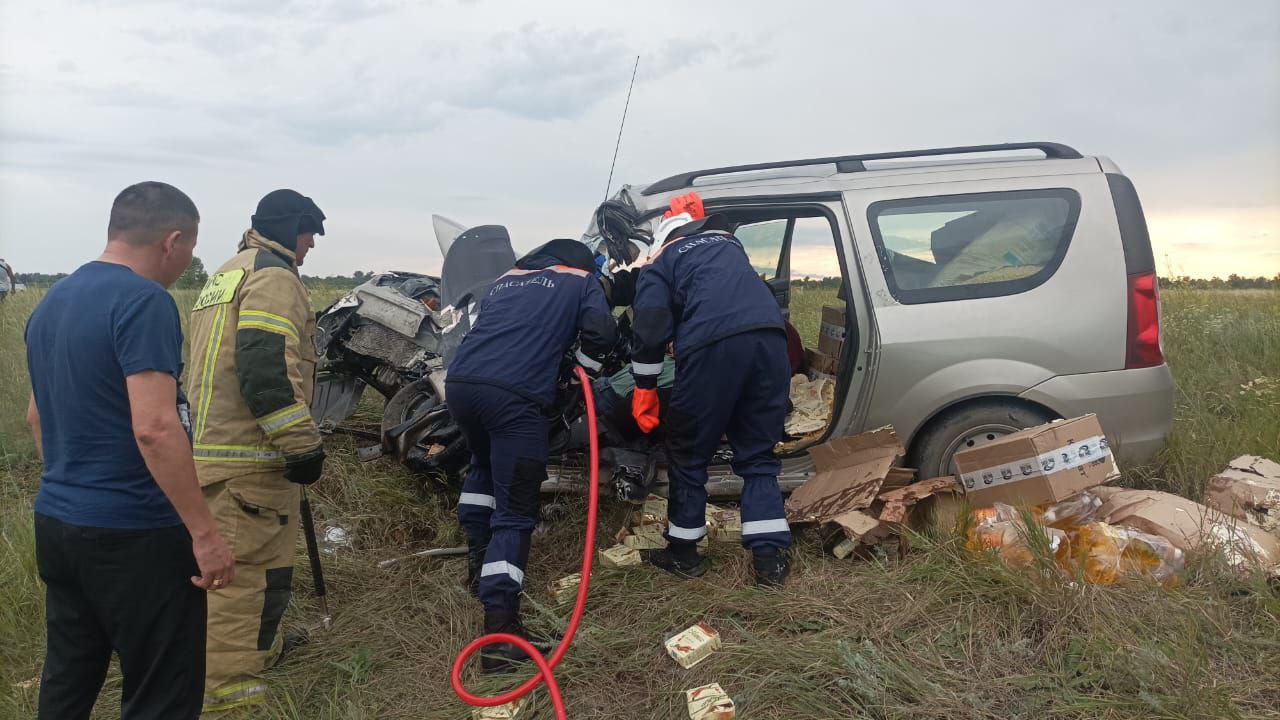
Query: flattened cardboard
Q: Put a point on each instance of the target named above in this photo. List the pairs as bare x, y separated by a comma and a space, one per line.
1249, 489
850, 473
898, 503
1191, 526
1038, 465
898, 478
860, 526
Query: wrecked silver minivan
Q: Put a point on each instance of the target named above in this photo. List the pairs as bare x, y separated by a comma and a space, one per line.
957, 294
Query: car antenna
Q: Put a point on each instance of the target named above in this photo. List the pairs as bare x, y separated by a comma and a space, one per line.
608, 185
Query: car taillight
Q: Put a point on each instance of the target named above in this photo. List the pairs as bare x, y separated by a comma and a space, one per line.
1144, 322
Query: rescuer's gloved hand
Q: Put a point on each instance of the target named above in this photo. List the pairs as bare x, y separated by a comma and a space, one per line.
644, 408
304, 469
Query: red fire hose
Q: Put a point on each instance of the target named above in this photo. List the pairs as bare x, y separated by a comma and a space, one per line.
545, 666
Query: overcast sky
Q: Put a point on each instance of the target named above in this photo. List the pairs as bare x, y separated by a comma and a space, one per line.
385, 111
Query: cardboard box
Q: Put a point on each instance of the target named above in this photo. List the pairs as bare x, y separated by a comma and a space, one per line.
850, 474
831, 331
709, 702
620, 556
822, 364
1192, 527
1249, 489
693, 645
1038, 465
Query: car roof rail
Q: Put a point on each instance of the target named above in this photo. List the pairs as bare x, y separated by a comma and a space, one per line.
854, 163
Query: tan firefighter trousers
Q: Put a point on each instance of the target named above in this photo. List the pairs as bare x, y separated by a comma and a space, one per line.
257, 515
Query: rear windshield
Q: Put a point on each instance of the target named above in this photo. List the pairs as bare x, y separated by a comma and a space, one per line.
955, 247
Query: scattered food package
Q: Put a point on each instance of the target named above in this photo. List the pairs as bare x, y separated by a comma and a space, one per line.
709, 702
509, 711
643, 537
693, 645
566, 588
619, 556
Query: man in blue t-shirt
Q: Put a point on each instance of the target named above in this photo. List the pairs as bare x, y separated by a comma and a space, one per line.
124, 541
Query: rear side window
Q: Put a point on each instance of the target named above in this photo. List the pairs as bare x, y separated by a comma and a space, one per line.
956, 247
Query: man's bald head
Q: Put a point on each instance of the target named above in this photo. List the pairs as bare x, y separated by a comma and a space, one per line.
145, 213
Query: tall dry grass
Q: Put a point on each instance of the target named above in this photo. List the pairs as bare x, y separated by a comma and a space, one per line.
937, 635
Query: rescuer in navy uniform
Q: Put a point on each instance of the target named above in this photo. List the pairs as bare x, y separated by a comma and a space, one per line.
732, 379
500, 383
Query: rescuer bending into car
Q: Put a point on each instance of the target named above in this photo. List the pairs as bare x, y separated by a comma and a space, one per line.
732, 378
500, 383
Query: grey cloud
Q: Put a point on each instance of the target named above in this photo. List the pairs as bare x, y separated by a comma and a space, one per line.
544, 74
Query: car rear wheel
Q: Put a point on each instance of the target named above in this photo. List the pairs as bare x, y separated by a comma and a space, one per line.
969, 426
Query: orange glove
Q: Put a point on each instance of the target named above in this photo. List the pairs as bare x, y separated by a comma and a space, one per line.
688, 203
644, 408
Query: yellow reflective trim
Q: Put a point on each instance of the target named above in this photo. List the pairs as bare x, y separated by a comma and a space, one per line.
236, 454
264, 326
241, 694
220, 290
282, 412
285, 418
269, 322
206, 377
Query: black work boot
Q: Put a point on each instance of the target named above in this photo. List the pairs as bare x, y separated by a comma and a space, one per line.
679, 559
503, 657
475, 563
772, 566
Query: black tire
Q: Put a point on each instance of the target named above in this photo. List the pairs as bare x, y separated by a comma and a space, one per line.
444, 469
969, 425
412, 399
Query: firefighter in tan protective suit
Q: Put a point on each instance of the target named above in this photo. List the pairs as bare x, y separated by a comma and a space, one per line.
252, 371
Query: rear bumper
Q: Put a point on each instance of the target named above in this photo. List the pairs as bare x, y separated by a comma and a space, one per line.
1135, 407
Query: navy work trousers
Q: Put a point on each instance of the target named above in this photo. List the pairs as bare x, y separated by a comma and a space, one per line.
736, 387
498, 508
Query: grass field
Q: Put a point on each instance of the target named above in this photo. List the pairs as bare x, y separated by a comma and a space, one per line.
937, 635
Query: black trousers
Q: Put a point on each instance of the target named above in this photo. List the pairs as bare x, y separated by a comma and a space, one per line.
127, 591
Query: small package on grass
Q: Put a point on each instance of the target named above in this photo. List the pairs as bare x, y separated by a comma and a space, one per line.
1248, 489
509, 711
652, 512
709, 702
643, 537
693, 645
725, 524
1038, 465
566, 588
619, 556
